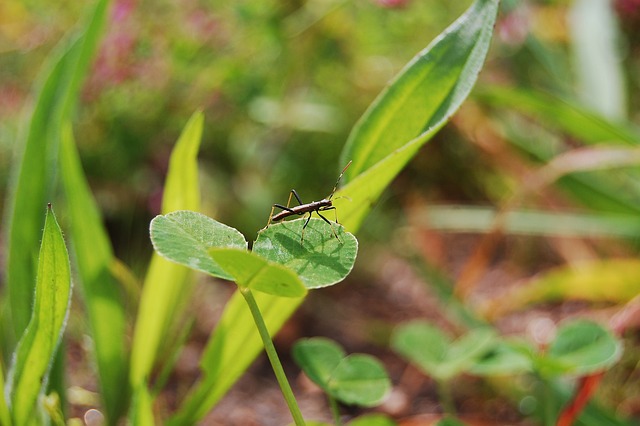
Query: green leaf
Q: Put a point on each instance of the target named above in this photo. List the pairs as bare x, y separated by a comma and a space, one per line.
354, 379
373, 420
252, 271
458, 218
34, 173
506, 358
612, 191
5, 417
102, 295
34, 355
320, 259
167, 286
359, 379
318, 357
563, 114
141, 410
413, 108
430, 349
449, 421
184, 237
580, 347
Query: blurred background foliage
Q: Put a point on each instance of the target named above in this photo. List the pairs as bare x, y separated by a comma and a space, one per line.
281, 84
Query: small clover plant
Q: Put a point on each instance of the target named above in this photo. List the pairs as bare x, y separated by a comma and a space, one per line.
280, 264
366, 420
579, 348
437, 355
356, 379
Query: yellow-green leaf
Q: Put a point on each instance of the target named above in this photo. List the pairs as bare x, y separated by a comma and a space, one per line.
167, 285
34, 355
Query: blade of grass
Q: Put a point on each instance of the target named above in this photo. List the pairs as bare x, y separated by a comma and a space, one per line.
35, 170
102, 294
562, 114
167, 285
611, 280
528, 222
596, 49
412, 109
5, 417
613, 191
34, 355
141, 412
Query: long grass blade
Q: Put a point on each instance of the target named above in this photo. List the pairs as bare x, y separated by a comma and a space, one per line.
529, 222
611, 191
167, 285
34, 355
34, 176
412, 109
102, 294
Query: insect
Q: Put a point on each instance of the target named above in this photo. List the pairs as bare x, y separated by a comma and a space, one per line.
315, 206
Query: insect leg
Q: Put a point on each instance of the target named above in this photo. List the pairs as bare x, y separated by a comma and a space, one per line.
335, 211
328, 221
294, 193
304, 227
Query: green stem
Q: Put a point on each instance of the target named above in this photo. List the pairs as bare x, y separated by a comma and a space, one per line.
548, 402
273, 357
335, 410
446, 399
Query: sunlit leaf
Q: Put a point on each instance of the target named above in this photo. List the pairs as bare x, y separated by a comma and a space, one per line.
609, 280
184, 237
34, 170
412, 109
5, 417
34, 355
528, 222
141, 410
562, 114
102, 294
167, 286
320, 259
256, 273
373, 420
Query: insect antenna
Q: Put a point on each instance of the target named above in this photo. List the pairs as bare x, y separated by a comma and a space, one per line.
338, 181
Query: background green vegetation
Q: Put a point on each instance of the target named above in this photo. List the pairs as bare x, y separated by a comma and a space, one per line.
281, 84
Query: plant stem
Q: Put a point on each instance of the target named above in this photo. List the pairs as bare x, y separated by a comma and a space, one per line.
273, 357
335, 410
444, 393
548, 402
